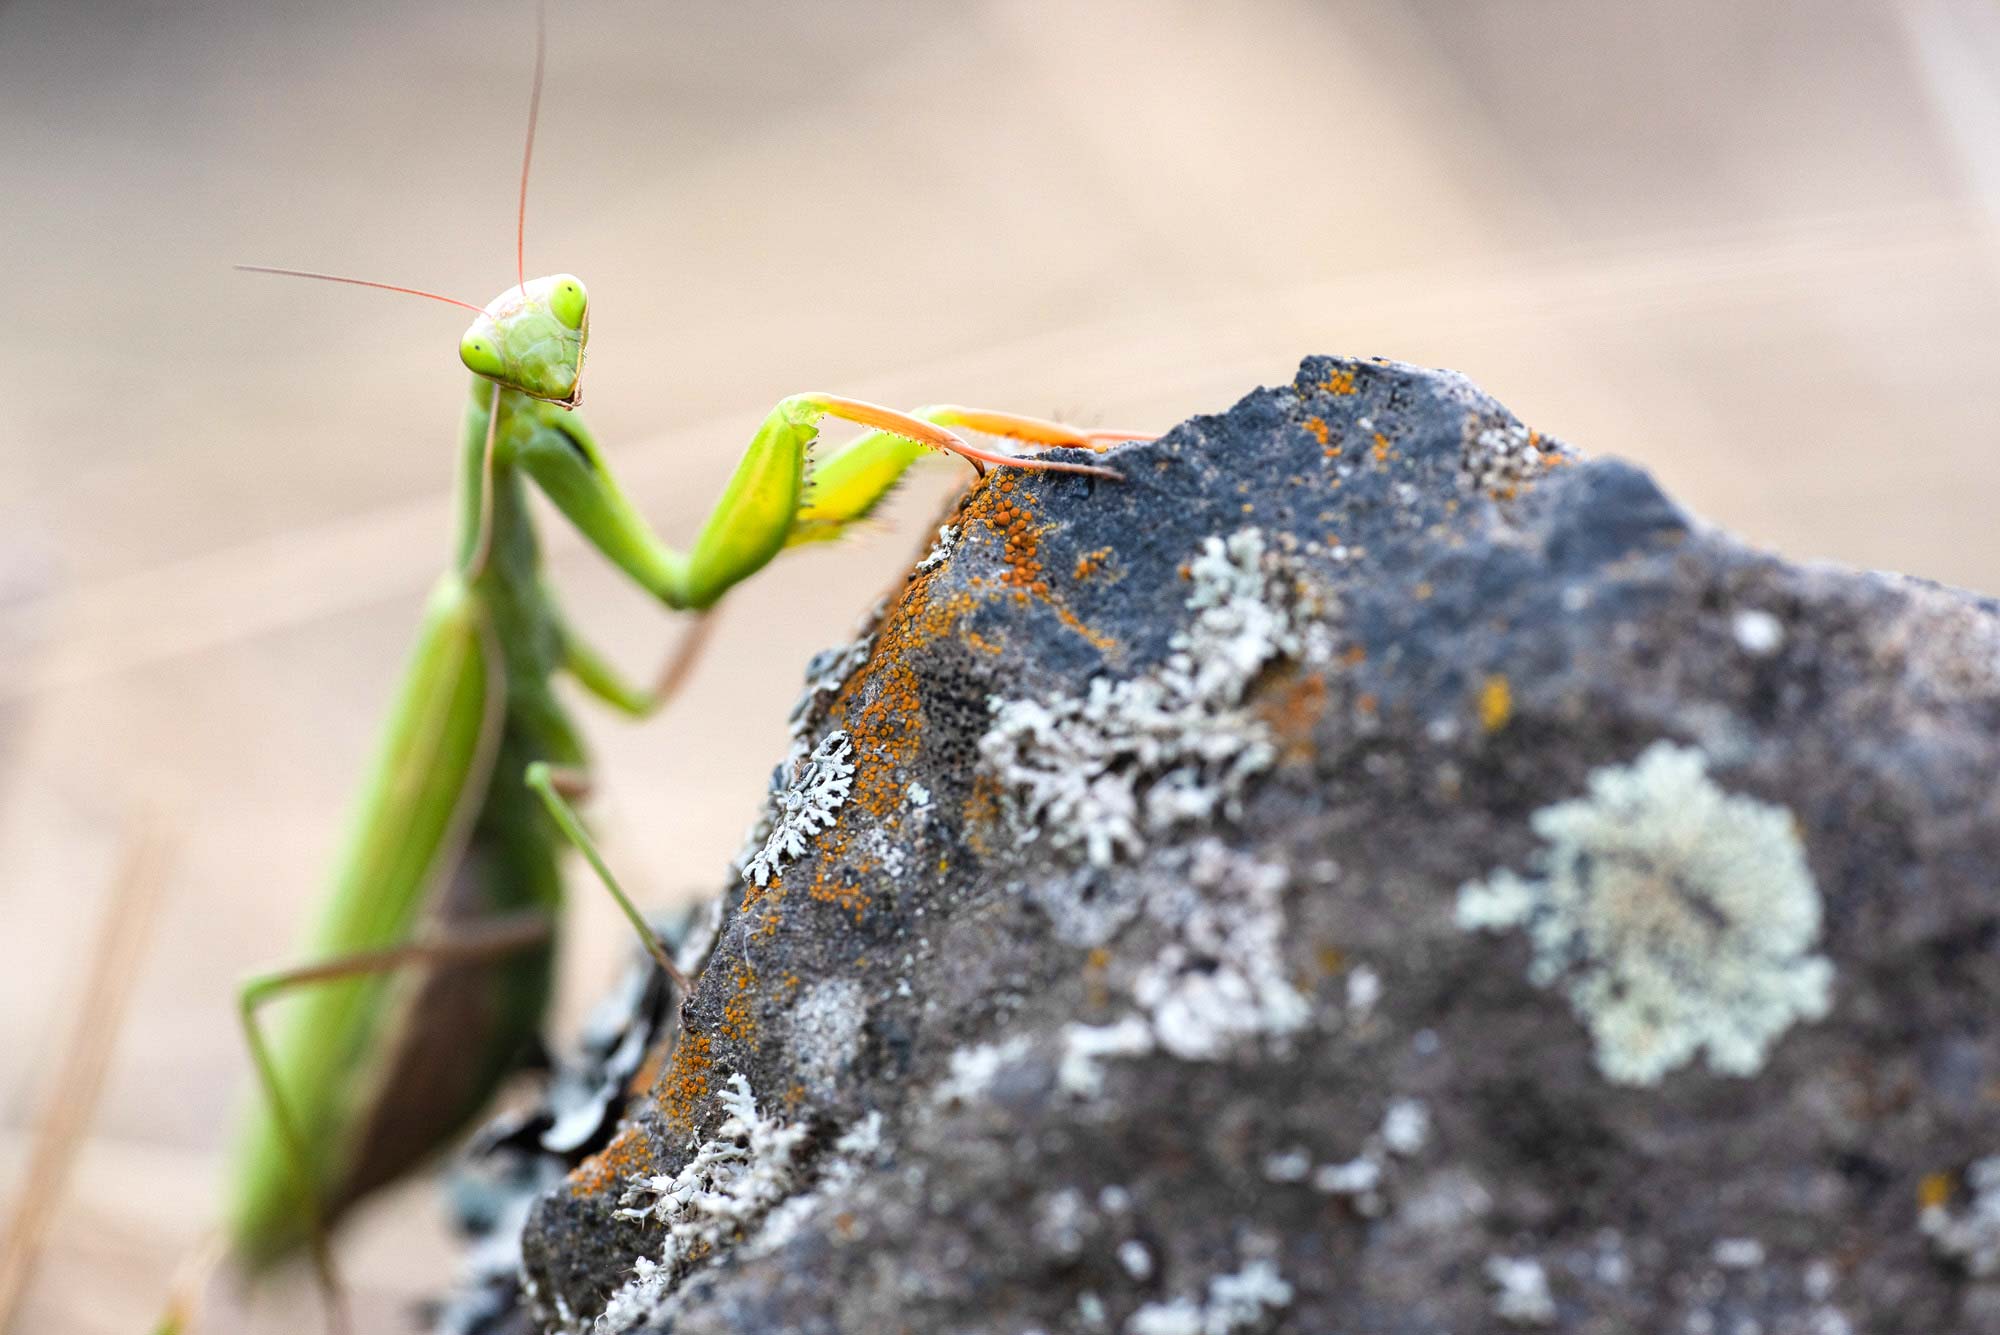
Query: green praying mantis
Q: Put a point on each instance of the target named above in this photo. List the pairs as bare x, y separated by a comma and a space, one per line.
430, 967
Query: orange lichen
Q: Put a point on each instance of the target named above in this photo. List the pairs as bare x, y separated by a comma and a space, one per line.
739, 1013
1090, 563
1292, 708
1496, 703
847, 894
1321, 432
1095, 964
1009, 517
1933, 1191
980, 814
770, 898
628, 1155
1381, 450
1332, 960
686, 1082
1339, 382
1353, 656
1366, 703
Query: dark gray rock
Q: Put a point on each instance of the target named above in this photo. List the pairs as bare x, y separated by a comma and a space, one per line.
1373, 870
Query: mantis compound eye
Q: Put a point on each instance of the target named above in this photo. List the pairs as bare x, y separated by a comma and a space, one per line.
567, 301
481, 356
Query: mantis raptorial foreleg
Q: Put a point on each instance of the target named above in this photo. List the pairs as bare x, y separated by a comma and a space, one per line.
760, 506
848, 484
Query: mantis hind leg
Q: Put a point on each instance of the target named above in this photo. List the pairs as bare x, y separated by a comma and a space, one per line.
848, 484
557, 786
462, 943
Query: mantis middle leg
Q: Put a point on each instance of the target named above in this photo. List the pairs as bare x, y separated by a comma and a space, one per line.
556, 786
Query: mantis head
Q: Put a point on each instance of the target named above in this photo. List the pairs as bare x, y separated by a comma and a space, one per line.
531, 337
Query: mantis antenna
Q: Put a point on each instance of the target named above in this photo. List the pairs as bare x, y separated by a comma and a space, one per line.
484, 541
357, 282
484, 544
528, 149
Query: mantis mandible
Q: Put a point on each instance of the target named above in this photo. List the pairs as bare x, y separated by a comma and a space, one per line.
450, 866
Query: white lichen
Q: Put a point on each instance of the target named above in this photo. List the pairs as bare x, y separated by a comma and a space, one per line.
1234, 1302
1406, 1127
1364, 990
1737, 1253
1521, 1294
1080, 1072
859, 1148
1678, 917
1223, 981
827, 1027
1063, 1221
1288, 1165
1757, 632
1363, 1181
1096, 773
1219, 984
807, 805
635, 1302
732, 1181
1970, 1238
973, 1069
827, 672
940, 552
1358, 1179
1500, 458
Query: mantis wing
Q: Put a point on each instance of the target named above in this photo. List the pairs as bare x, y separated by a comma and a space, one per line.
426, 783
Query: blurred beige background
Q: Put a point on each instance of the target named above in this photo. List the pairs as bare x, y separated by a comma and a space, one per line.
1749, 243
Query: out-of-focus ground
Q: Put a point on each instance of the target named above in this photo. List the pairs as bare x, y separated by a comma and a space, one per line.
1750, 245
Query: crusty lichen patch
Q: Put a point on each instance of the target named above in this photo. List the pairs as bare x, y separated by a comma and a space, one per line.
1969, 1237
819, 786
1679, 918
1501, 459
726, 1187
1240, 1301
1096, 773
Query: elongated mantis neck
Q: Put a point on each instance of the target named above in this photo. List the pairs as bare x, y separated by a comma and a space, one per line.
490, 511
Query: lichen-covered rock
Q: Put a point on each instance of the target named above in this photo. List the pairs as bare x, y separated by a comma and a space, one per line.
1372, 870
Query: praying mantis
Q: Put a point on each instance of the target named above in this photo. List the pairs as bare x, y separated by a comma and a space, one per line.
430, 966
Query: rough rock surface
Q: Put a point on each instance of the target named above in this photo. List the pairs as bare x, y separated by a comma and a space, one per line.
1373, 870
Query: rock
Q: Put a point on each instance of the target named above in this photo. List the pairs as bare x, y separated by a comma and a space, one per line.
1373, 870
